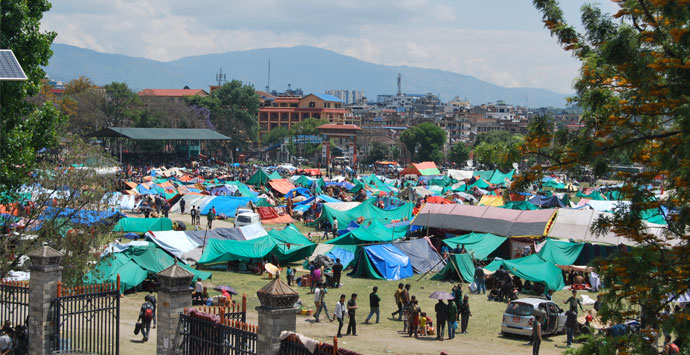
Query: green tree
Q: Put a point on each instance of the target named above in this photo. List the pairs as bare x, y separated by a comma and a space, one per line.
377, 151
275, 135
424, 142
459, 154
497, 149
632, 88
234, 108
308, 127
25, 127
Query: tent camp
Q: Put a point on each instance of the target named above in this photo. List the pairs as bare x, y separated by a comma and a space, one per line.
520, 205
532, 268
288, 245
546, 202
560, 252
367, 210
143, 225
459, 174
259, 178
485, 219
134, 264
458, 263
281, 185
421, 169
381, 261
225, 205
499, 178
422, 255
479, 245
377, 232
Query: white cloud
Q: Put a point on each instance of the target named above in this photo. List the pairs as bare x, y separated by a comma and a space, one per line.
422, 33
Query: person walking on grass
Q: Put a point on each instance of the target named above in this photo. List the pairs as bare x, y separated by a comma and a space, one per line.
441, 318
319, 302
536, 335
573, 301
570, 326
452, 318
339, 314
182, 204
337, 272
413, 327
192, 213
145, 317
334, 228
210, 216
465, 313
154, 303
398, 302
374, 301
406, 304
351, 309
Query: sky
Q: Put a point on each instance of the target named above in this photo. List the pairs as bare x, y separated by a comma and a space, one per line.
499, 41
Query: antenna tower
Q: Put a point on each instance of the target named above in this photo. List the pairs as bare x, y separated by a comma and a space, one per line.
399, 84
268, 86
221, 78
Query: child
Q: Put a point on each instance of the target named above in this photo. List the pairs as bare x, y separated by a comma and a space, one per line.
290, 275
429, 326
422, 324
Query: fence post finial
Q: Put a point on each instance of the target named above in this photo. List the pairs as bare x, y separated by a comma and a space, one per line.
244, 302
335, 345
118, 282
59, 288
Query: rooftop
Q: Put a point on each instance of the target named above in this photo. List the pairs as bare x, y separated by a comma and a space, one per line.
339, 126
172, 92
160, 133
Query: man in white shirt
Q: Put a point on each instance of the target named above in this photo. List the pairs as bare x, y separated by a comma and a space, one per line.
340, 310
335, 227
6, 342
319, 303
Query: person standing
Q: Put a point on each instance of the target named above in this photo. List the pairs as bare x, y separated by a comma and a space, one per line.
154, 303
193, 214
452, 318
536, 335
210, 216
145, 317
570, 326
413, 319
340, 314
441, 318
406, 305
574, 302
399, 301
319, 302
5, 342
479, 280
374, 301
351, 309
182, 204
337, 271
465, 313
198, 217
334, 228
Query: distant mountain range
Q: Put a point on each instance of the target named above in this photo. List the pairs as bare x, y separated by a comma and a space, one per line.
309, 68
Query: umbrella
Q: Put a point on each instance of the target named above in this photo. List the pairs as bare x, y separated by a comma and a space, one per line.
441, 295
131, 236
180, 226
226, 288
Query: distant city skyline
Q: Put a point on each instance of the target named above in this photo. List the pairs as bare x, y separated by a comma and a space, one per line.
499, 41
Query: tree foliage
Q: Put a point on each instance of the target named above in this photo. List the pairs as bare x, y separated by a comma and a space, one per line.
25, 127
632, 87
497, 149
424, 142
459, 154
308, 127
377, 151
275, 135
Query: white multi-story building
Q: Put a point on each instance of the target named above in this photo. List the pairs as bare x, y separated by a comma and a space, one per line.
350, 97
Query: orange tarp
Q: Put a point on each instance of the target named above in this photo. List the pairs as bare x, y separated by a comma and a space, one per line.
132, 185
438, 199
281, 185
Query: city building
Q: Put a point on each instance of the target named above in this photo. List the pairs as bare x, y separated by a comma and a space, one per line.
172, 94
349, 97
344, 140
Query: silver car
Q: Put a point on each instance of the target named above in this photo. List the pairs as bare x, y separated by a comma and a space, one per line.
518, 318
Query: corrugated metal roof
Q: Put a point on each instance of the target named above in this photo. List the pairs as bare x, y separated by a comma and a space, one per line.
160, 133
172, 92
330, 98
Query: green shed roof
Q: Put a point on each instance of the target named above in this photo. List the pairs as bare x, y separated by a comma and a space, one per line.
160, 133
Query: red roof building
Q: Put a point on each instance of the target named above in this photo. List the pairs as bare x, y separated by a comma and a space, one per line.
172, 92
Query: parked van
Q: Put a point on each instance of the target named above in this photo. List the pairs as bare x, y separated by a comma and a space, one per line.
247, 218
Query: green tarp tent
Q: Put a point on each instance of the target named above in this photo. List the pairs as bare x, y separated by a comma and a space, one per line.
442, 181
555, 185
560, 252
367, 210
242, 188
259, 178
480, 245
134, 265
480, 183
143, 225
499, 178
484, 174
532, 268
303, 181
377, 232
374, 182
520, 205
594, 195
458, 263
289, 245
274, 176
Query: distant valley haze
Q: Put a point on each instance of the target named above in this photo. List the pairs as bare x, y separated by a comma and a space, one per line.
309, 68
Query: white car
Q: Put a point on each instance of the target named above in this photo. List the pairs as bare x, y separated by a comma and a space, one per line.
247, 218
518, 317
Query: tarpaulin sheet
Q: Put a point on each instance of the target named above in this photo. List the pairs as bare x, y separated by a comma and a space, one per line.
216, 233
459, 174
191, 200
303, 181
367, 210
546, 202
143, 225
389, 261
281, 185
484, 174
81, 217
374, 233
344, 255
532, 268
422, 256
520, 205
560, 252
485, 219
259, 178
376, 183
480, 245
226, 205
274, 176
461, 263
175, 243
266, 213
281, 216
420, 169
487, 200
498, 178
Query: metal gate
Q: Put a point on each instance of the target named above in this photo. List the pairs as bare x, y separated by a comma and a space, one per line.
87, 319
14, 302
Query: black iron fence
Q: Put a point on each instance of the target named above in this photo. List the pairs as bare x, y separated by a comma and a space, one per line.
14, 302
87, 319
211, 334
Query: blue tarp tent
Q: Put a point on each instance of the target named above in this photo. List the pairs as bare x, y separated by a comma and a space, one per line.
345, 256
227, 205
546, 202
383, 262
82, 217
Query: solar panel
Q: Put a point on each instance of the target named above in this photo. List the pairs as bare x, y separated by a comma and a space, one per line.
10, 70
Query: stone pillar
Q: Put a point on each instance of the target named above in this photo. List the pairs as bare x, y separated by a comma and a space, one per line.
46, 273
173, 296
276, 313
